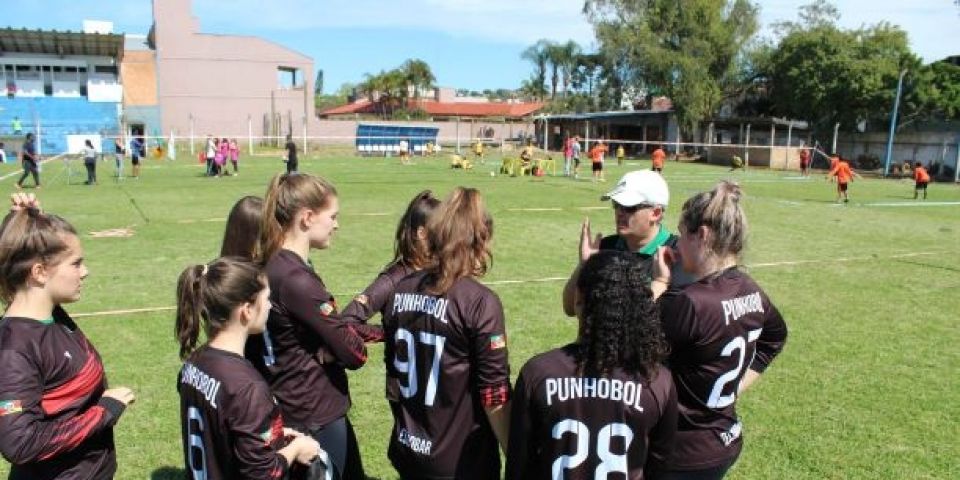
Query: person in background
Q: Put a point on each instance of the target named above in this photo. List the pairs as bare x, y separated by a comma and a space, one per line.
90, 162
291, 155
804, 162
31, 161
137, 153
3, 154
657, 159
922, 179
118, 152
844, 175
211, 154
234, 155
576, 157
621, 154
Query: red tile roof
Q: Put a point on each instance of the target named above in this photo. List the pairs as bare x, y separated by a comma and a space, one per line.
443, 109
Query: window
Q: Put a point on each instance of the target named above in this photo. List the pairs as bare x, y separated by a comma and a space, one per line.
289, 77
105, 69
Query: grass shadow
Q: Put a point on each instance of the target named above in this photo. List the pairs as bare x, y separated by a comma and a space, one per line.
168, 473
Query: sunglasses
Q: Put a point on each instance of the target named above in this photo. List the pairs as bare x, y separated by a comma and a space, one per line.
631, 209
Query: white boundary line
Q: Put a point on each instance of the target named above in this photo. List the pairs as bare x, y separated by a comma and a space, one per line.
560, 279
915, 203
20, 172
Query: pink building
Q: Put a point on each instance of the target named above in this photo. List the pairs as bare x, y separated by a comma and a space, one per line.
226, 85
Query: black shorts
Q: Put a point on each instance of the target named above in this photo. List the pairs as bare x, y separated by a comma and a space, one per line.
921, 186
657, 169
135, 160
576, 161
597, 166
842, 187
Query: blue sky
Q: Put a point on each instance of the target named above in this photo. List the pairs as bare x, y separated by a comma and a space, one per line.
472, 44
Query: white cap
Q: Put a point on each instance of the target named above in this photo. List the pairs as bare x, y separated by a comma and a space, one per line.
640, 187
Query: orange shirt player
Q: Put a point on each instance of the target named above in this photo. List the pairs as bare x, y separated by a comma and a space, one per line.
922, 178
844, 175
658, 157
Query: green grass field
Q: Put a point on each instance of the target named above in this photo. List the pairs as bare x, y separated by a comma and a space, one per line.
867, 387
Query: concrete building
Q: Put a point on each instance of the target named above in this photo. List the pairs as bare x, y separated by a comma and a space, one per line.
226, 85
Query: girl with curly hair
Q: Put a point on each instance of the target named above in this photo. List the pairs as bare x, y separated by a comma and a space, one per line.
603, 404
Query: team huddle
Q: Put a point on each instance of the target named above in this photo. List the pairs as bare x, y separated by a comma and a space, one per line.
671, 332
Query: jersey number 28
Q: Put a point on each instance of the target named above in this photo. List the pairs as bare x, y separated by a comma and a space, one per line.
609, 462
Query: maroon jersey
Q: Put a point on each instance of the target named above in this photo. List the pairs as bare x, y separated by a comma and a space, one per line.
375, 297
231, 427
54, 421
718, 328
568, 425
303, 324
446, 357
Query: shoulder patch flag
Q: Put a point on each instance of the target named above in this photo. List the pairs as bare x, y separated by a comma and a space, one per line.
498, 341
9, 407
326, 308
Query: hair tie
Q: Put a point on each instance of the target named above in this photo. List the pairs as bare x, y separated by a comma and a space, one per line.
205, 269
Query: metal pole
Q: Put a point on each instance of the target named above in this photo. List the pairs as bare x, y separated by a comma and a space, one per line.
956, 168
458, 134
546, 131
893, 123
304, 135
746, 154
250, 134
191, 135
836, 131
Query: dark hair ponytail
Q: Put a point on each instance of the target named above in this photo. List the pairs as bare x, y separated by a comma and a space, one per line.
409, 249
208, 294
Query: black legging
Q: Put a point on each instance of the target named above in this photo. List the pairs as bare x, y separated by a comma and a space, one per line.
29, 167
91, 171
340, 442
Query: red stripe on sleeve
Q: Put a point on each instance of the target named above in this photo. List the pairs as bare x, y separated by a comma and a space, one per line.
77, 389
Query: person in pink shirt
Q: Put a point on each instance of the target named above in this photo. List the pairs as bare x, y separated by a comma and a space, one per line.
567, 156
223, 153
234, 155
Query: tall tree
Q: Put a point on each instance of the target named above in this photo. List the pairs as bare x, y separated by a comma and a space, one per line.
556, 59
685, 49
318, 84
823, 74
570, 53
537, 54
418, 74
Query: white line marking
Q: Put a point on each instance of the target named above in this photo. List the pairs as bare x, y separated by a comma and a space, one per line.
605, 207
122, 312
20, 172
562, 279
370, 214
915, 203
534, 209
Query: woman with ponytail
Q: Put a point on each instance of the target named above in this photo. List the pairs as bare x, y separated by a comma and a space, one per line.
723, 332
411, 253
446, 353
306, 347
232, 428
56, 413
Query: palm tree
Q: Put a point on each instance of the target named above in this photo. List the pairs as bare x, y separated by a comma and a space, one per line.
556, 59
537, 54
417, 73
571, 54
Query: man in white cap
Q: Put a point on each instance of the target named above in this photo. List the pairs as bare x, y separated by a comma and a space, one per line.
639, 202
